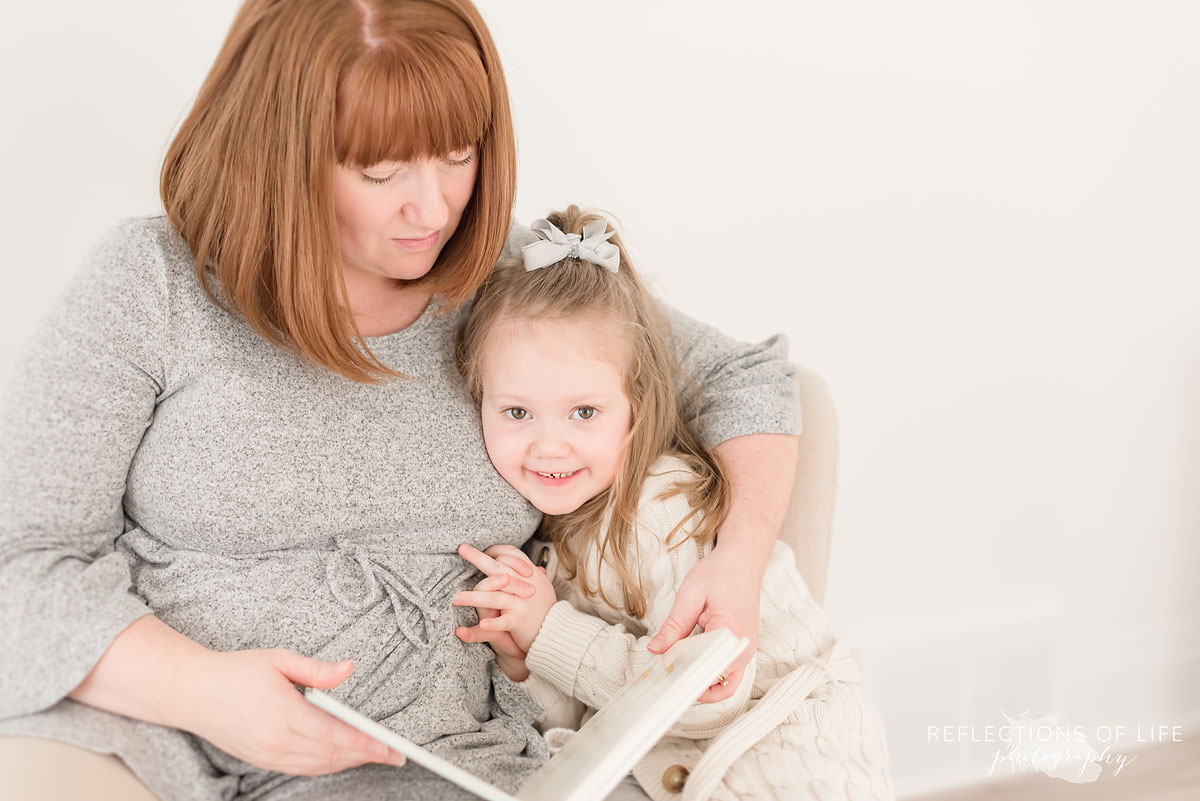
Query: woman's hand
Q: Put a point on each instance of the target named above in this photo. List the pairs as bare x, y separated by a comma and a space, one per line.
514, 606
720, 592
244, 702
248, 706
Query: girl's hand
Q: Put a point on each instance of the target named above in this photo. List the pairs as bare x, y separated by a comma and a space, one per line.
509, 657
720, 592
522, 604
246, 703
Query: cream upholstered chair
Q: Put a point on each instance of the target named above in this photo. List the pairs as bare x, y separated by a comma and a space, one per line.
42, 770
808, 524
32, 769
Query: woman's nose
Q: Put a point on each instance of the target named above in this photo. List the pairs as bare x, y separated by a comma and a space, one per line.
424, 203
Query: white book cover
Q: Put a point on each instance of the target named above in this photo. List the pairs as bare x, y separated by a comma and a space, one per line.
598, 757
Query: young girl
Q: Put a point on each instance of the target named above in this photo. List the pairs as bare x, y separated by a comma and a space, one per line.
567, 356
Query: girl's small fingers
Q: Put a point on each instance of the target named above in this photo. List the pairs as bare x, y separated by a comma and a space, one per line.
493, 583
504, 644
520, 588
481, 561
498, 624
471, 634
490, 600
519, 561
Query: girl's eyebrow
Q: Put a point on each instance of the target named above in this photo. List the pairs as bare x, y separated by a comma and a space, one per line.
603, 396
506, 399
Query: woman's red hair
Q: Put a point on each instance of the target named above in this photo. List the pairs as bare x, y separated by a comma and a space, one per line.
302, 85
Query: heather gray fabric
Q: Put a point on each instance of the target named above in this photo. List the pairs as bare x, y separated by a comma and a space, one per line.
158, 455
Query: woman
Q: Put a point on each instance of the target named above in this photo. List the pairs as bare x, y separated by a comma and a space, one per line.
238, 452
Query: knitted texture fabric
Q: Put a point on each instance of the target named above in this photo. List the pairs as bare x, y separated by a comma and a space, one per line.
822, 742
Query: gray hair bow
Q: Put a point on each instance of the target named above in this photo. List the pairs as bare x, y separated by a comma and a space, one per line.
553, 246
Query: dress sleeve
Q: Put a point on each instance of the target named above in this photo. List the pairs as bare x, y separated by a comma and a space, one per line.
78, 403
732, 388
591, 660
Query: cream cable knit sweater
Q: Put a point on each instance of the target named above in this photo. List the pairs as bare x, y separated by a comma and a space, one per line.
797, 727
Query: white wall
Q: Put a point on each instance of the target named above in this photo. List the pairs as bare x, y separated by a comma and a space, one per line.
976, 219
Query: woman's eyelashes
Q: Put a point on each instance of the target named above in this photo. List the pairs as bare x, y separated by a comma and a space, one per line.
371, 179
459, 158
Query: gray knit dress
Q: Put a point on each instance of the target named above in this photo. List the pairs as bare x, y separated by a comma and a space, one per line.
159, 456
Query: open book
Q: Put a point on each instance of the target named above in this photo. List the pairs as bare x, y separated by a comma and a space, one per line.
605, 749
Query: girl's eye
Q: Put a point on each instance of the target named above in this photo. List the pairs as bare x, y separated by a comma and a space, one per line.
516, 413
584, 413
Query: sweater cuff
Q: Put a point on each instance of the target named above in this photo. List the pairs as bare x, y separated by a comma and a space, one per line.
558, 650
543, 693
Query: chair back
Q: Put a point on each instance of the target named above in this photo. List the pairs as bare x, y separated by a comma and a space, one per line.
808, 523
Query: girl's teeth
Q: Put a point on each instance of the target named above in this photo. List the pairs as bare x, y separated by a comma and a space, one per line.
555, 475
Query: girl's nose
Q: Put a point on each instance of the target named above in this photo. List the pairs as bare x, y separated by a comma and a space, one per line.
551, 444
424, 203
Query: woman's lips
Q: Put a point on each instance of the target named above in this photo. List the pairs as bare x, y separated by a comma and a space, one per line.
418, 245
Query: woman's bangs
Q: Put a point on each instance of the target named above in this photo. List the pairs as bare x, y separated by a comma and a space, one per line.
413, 99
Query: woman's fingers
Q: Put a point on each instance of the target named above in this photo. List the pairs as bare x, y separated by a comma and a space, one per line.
245, 703
336, 743
679, 623
311, 672
718, 691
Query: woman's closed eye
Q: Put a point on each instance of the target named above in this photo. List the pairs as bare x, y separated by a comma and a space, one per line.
378, 180
460, 158
584, 413
385, 172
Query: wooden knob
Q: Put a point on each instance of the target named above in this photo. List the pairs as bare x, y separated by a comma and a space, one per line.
674, 778
543, 557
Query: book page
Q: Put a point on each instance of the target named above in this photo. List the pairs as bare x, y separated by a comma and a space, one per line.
599, 756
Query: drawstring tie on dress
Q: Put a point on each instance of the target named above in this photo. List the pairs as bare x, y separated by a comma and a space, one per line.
360, 589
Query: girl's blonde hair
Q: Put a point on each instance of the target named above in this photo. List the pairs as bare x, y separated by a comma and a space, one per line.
566, 291
298, 86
